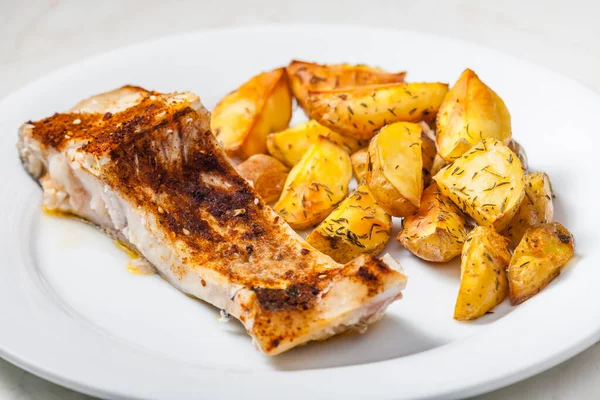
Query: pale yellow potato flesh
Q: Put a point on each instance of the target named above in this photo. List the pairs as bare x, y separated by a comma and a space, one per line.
357, 226
483, 281
536, 208
289, 146
395, 168
306, 76
471, 111
437, 231
266, 174
538, 259
316, 185
361, 111
487, 182
243, 119
359, 164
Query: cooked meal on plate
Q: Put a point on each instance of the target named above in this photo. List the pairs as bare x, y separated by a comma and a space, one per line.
212, 202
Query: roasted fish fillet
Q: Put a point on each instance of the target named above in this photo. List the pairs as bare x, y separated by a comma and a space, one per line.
145, 168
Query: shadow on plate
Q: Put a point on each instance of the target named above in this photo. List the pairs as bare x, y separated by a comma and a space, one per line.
390, 338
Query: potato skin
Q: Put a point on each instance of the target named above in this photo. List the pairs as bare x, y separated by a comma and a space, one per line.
395, 168
243, 119
289, 146
357, 226
428, 152
487, 182
359, 163
520, 152
438, 231
315, 186
437, 165
306, 76
361, 111
266, 174
538, 259
483, 282
536, 208
471, 111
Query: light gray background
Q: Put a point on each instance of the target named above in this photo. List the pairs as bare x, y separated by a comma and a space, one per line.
37, 37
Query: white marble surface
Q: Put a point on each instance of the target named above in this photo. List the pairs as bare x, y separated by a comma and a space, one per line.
39, 36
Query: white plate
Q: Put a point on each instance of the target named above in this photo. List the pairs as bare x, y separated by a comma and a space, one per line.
72, 313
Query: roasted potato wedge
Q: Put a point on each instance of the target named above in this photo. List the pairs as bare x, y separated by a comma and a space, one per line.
438, 231
266, 174
428, 152
357, 226
536, 208
483, 282
359, 163
520, 152
316, 185
487, 182
538, 259
305, 77
243, 119
471, 111
395, 168
437, 165
289, 146
361, 111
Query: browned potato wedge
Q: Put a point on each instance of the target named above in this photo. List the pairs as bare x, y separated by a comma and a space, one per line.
289, 146
243, 119
395, 168
471, 111
483, 283
316, 185
535, 209
486, 182
520, 152
266, 174
361, 111
437, 165
538, 259
438, 231
359, 163
358, 226
305, 77
428, 151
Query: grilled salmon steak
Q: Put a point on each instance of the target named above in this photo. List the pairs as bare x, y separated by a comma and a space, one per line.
145, 168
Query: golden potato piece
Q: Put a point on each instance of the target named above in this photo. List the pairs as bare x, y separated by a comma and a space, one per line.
483, 282
316, 185
486, 182
538, 259
266, 174
395, 168
358, 226
520, 152
438, 231
428, 152
536, 208
437, 165
471, 111
361, 111
305, 77
243, 119
289, 146
359, 163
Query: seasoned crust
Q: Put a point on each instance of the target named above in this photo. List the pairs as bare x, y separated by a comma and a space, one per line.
166, 163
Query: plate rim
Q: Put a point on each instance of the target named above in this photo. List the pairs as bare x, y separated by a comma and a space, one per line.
498, 381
